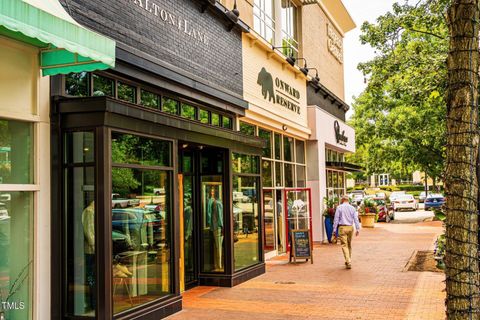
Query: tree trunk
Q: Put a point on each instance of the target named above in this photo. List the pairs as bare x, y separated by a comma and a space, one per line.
461, 184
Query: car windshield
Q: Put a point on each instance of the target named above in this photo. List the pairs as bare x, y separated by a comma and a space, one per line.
405, 197
435, 196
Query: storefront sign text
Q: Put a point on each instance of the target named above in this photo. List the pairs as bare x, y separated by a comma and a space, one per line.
278, 91
334, 43
175, 22
340, 135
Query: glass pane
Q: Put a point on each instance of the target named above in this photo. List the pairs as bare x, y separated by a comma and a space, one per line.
267, 173
211, 161
245, 222
79, 197
301, 177
79, 147
141, 213
188, 214
77, 84
281, 241
213, 257
269, 216
247, 128
188, 111
289, 175
243, 163
267, 136
278, 146
16, 152
215, 119
150, 100
187, 164
127, 148
300, 151
16, 242
103, 86
170, 105
227, 122
278, 174
298, 210
203, 116
126, 92
288, 148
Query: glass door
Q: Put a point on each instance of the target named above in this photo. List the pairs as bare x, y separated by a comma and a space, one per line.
269, 220
280, 218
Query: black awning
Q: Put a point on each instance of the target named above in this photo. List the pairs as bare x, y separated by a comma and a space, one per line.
344, 166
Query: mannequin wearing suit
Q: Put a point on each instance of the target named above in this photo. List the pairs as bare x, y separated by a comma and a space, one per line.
215, 223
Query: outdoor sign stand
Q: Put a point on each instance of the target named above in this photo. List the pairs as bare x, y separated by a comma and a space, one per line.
301, 246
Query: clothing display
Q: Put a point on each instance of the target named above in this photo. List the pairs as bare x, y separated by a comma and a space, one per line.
88, 222
215, 223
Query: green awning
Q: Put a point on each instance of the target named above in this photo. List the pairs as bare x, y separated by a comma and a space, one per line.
65, 46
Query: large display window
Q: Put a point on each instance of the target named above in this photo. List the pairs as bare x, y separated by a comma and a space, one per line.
141, 220
16, 219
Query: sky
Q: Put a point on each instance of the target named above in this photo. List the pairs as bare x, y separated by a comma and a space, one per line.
353, 51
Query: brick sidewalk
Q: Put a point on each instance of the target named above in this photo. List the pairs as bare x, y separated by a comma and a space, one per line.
375, 288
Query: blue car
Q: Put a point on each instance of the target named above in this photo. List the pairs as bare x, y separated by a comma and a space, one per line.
434, 201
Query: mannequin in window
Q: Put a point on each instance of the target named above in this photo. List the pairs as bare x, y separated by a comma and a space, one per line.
88, 222
188, 228
215, 222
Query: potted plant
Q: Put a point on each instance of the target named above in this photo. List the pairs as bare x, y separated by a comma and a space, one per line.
368, 213
329, 214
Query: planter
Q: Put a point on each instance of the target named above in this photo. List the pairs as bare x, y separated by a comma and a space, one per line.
329, 227
367, 220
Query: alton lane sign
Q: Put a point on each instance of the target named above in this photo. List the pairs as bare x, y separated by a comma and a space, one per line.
176, 22
278, 91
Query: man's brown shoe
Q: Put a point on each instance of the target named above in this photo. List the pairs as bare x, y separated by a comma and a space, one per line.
349, 266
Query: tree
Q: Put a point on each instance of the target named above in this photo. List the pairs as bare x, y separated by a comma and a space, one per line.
461, 174
399, 119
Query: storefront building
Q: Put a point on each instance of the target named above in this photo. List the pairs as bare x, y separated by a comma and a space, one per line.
37, 40
147, 161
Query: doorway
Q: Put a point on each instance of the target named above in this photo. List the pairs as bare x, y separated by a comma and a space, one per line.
203, 171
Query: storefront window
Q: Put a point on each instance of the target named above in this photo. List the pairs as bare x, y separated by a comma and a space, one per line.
188, 111
126, 92
80, 230
335, 183
132, 149
77, 84
246, 231
215, 119
289, 175
267, 136
300, 151
103, 86
243, 163
267, 174
16, 271
150, 100
204, 116
141, 220
301, 177
288, 146
16, 152
170, 105
278, 174
247, 128
278, 146
227, 122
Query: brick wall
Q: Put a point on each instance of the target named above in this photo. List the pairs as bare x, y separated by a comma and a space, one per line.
217, 62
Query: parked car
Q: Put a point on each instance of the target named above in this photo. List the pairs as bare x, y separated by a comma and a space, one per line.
159, 191
403, 202
119, 202
396, 194
422, 196
357, 196
434, 201
381, 196
238, 196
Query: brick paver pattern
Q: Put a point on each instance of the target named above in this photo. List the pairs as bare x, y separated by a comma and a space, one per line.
377, 287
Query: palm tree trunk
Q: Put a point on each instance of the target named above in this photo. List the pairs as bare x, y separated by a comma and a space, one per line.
461, 184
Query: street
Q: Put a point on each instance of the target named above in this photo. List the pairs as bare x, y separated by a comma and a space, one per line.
377, 287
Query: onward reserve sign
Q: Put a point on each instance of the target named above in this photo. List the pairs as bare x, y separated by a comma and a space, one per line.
175, 22
278, 91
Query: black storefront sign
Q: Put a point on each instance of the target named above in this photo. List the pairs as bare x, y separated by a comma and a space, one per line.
340, 135
278, 91
301, 247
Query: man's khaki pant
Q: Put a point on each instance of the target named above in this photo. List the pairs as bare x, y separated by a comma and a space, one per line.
346, 234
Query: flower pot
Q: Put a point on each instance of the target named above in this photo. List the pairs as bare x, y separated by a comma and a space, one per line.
329, 227
368, 220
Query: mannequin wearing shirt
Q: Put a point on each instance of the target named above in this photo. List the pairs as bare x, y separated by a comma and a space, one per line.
215, 223
88, 222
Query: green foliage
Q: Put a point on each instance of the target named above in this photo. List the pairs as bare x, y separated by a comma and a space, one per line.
400, 117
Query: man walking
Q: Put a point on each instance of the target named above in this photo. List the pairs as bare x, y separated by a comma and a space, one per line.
345, 217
